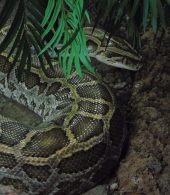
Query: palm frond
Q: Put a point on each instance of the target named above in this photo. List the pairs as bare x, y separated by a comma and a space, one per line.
168, 1
135, 15
51, 27
24, 33
68, 36
55, 27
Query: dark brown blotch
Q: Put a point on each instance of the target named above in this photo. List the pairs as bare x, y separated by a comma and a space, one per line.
7, 160
82, 160
44, 144
97, 91
12, 133
76, 79
4, 65
53, 88
17, 183
41, 173
93, 107
31, 80
85, 127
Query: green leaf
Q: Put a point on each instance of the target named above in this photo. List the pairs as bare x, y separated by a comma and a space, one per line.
37, 38
145, 13
120, 12
70, 61
17, 56
77, 63
6, 12
34, 14
134, 8
56, 38
153, 4
19, 37
168, 1
53, 19
48, 12
37, 48
23, 60
87, 16
17, 40
13, 29
69, 34
29, 61
161, 14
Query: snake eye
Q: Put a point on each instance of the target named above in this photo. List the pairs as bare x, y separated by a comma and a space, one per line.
91, 46
108, 54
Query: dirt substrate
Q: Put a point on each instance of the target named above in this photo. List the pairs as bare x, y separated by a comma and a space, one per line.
146, 170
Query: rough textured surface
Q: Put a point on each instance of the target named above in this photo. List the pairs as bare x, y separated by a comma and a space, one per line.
145, 169
9, 190
66, 159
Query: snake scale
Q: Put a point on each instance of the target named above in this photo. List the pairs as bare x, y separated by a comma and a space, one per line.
82, 133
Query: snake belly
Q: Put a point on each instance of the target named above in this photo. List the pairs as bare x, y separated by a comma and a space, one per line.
76, 146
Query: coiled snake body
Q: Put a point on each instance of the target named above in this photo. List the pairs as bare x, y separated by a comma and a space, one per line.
81, 137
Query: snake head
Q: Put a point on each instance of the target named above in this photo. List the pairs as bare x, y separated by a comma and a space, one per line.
112, 51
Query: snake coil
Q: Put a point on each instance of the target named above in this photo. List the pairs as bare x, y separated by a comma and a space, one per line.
82, 133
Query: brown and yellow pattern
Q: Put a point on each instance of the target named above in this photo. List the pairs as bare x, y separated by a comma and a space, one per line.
81, 137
